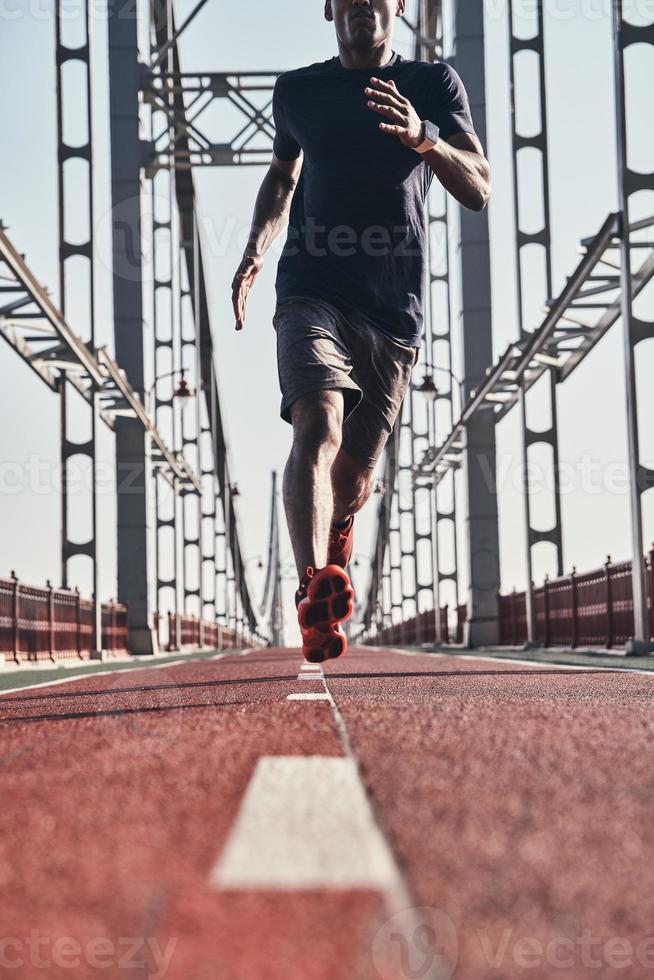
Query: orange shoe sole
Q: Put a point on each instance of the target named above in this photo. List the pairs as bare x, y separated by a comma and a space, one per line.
329, 601
326, 644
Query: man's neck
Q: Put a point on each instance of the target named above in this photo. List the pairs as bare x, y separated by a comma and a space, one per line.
372, 58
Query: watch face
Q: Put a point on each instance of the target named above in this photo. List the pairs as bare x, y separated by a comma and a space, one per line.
431, 132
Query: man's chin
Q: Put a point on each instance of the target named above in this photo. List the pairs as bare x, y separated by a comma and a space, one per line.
363, 35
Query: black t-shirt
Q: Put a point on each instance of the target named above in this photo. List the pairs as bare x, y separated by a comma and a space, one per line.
357, 235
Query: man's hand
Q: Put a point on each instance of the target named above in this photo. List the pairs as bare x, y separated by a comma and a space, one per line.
406, 123
458, 162
246, 273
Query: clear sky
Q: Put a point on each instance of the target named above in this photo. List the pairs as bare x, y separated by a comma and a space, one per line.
276, 36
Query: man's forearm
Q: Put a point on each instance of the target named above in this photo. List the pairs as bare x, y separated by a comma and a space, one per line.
465, 174
271, 210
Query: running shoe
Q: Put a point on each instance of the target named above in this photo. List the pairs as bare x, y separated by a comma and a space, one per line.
324, 600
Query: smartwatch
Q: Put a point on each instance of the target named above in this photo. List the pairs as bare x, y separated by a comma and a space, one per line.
431, 134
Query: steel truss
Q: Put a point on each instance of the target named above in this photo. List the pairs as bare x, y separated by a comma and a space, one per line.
191, 346
522, 147
183, 142
592, 301
32, 325
184, 97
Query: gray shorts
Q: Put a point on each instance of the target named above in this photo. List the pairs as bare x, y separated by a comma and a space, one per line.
319, 349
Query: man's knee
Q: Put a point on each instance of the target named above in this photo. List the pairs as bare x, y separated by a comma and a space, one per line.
318, 423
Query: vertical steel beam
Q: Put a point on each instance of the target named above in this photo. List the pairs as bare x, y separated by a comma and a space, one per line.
134, 546
439, 353
542, 238
164, 339
476, 326
68, 101
634, 329
191, 420
438, 335
165, 290
208, 542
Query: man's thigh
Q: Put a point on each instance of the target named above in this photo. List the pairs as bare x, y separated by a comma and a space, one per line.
311, 354
382, 369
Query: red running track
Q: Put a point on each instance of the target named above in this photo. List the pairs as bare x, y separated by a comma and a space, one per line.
515, 803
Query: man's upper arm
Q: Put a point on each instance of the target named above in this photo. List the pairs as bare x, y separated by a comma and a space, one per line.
451, 107
286, 147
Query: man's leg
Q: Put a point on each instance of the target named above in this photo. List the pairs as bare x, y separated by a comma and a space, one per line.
351, 485
308, 495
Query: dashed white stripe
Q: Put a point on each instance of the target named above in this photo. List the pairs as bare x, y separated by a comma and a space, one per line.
308, 697
305, 823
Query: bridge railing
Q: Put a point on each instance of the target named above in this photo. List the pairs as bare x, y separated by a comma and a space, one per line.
54, 624
594, 609
422, 629
186, 632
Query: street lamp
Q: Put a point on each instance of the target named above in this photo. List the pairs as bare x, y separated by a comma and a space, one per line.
428, 387
183, 391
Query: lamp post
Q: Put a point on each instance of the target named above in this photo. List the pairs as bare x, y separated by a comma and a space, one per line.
430, 390
183, 392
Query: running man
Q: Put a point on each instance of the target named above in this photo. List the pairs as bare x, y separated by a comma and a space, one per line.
358, 141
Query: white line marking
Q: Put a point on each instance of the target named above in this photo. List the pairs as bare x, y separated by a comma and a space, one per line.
305, 823
310, 677
88, 673
311, 667
61, 680
514, 660
538, 663
307, 697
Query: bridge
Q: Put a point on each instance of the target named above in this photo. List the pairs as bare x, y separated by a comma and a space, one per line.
401, 812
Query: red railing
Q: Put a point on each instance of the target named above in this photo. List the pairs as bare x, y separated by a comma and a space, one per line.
52, 624
595, 609
413, 632
196, 635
